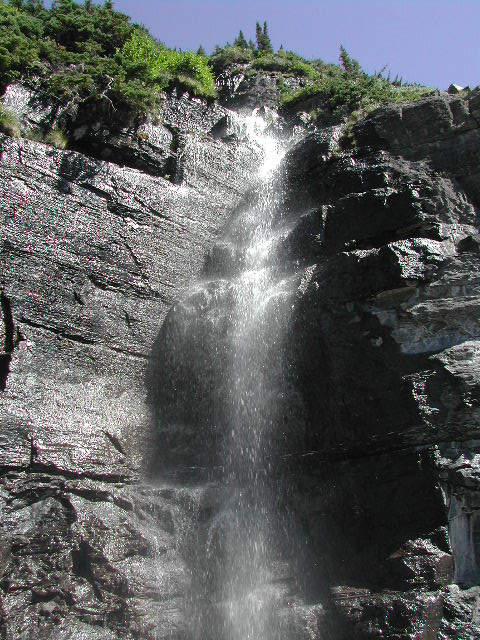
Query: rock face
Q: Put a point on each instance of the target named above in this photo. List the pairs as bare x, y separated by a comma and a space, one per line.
111, 406
92, 256
389, 307
376, 458
441, 130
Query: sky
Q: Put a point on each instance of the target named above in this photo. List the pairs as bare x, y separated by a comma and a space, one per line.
432, 42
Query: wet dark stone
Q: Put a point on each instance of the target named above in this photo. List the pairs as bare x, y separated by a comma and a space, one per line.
110, 370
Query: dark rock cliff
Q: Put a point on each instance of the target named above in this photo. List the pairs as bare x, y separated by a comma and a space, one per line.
381, 246
389, 307
92, 256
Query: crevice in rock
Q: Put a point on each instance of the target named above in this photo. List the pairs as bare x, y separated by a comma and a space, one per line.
8, 341
51, 470
60, 334
82, 339
52, 594
77, 297
139, 216
133, 354
100, 495
115, 441
136, 261
128, 319
171, 166
132, 154
144, 293
104, 286
82, 566
101, 193
33, 452
339, 454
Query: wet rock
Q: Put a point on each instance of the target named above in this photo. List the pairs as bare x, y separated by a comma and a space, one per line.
385, 335
375, 470
189, 386
381, 480
93, 254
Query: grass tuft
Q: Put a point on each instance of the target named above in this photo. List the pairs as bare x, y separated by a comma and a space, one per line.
9, 123
57, 138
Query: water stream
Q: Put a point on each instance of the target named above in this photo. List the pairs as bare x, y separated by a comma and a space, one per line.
252, 527
225, 404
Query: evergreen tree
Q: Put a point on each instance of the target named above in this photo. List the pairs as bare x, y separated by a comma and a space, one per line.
34, 6
350, 66
108, 4
258, 37
263, 39
267, 45
201, 51
240, 41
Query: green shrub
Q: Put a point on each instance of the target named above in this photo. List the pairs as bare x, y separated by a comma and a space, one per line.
352, 88
86, 52
19, 34
224, 57
36, 136
9, 123
286, 64
57, 138
162, 66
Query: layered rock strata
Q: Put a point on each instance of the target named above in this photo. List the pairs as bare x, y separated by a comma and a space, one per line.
377, 459
93, 254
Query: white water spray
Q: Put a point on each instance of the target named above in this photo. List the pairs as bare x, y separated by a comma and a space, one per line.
250, 597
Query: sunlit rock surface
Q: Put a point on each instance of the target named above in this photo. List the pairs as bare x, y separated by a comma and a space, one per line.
92, 256
376, 396
113, 414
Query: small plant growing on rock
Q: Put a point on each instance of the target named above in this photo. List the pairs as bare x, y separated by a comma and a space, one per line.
32, 134
9, 123
57, 138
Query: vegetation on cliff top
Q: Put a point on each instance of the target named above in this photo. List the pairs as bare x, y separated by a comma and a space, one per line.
350, 86
87, 55
344, 85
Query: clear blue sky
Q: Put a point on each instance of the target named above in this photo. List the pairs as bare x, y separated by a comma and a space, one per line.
433, 42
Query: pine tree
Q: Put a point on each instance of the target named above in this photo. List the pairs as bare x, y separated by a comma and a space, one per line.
240, 41
35, 7
201, 51
267, 45
350, 66
259, 36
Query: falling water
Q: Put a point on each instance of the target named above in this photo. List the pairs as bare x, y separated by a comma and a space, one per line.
226, 408
250, 525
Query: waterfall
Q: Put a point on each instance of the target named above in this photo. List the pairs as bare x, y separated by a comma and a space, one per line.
249, 525
248, 601
224, 395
